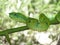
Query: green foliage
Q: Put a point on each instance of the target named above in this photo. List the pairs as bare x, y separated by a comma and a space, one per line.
54, 1
52, 19
58, 16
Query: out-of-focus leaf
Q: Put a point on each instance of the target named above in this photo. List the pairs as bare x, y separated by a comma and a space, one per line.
52, 18
54, 1
18, 17
51, 1
58, 16
7, 38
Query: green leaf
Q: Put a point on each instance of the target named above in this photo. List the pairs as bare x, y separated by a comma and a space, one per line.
37, 26
58, 16
18, 17
51, 2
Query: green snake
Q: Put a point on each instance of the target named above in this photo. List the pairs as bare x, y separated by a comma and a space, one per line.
40, 25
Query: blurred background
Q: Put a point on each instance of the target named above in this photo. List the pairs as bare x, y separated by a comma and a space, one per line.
31, 8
